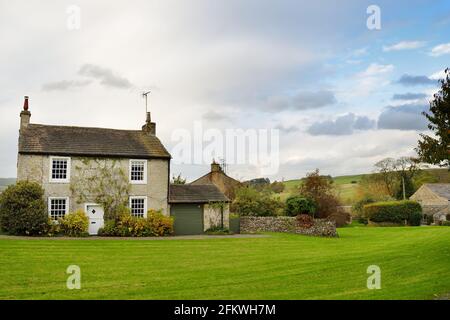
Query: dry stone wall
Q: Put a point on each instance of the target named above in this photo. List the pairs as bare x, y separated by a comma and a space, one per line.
321, 227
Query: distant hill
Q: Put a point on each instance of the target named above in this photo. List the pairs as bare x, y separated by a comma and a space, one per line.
346, 185
4, 182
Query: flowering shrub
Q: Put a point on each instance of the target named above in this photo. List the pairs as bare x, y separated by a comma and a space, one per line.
74, 224
155, 225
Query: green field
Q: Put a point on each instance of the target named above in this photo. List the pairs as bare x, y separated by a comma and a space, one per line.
414, 262
4, 182
346, 186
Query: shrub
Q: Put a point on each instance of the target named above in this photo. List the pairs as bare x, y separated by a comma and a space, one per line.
218, 231
394, 212
296, 205
251, 202
23, 209
447, 217
155, 225
429, 219
340, 217
358, 207
75, 224
415, 218
277, 187
305, 221
445, 223
159, 224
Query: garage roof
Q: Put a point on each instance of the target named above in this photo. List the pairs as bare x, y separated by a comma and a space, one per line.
187, 193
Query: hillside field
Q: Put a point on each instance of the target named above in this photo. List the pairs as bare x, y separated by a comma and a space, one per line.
346, 186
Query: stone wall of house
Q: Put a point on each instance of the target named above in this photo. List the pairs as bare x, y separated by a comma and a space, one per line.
433, 209
321, 227
37, 168
212, 216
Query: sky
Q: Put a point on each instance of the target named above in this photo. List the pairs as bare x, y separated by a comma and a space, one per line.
341, 95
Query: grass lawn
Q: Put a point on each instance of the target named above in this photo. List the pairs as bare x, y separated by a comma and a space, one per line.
414, 262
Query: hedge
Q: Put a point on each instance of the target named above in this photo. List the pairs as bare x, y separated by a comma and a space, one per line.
394, 212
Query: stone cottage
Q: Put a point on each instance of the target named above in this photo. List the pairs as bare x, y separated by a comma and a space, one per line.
434, 199
64, 159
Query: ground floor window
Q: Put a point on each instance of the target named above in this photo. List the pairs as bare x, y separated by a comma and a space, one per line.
58, 207
138, 206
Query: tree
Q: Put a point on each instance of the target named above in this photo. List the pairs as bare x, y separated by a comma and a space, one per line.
406, 168
320, 190
397, 175
434, 149
296, 205
251, 202
178, 179
385, 169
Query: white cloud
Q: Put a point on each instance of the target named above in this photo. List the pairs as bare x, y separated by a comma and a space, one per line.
438, 75
440, 50
404, 45
376, 69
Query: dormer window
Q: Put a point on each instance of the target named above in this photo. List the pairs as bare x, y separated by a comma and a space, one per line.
138, 171
60, 169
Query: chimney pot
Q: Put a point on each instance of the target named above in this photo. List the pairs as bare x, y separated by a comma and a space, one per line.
25, 115
25, 103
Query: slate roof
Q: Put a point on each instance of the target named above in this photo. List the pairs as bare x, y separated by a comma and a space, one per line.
441, 189
84, 141
187, 193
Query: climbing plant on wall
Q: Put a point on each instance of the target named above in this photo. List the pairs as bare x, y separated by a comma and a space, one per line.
102, 181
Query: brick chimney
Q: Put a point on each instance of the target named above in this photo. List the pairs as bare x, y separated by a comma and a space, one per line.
25, 115
149, 126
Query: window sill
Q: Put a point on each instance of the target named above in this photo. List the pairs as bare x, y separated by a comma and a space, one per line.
58, 181
138, 182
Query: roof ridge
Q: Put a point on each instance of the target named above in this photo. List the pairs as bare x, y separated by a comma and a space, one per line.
80, 127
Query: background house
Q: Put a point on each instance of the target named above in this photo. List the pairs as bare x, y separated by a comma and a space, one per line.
220, 179
434, 199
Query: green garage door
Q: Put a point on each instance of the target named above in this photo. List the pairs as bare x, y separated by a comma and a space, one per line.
188, 218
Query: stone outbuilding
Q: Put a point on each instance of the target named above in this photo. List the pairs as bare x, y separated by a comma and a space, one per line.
434, 199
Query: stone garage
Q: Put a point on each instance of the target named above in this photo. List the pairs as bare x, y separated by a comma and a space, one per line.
197, 208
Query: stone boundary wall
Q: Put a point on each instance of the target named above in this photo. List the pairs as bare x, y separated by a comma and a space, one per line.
321, 227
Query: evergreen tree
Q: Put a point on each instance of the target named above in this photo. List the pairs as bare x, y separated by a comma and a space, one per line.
434, 149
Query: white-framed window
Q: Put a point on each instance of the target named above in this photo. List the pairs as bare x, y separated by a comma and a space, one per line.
60, 169
58, 207
138, 206
138, 171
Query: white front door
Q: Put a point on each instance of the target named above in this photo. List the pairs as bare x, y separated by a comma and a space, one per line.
95, 214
